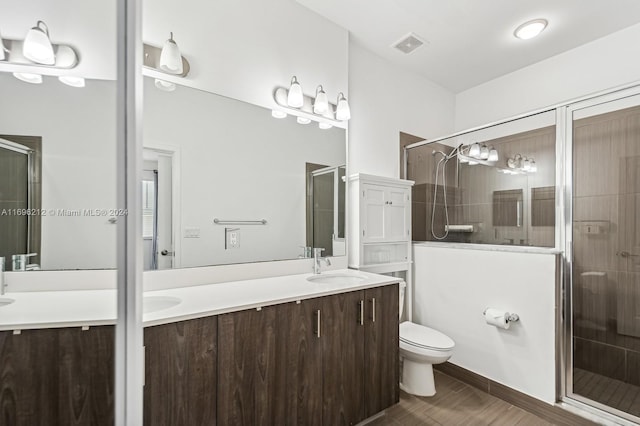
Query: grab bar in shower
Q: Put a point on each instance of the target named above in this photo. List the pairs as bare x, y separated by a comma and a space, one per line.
239, 222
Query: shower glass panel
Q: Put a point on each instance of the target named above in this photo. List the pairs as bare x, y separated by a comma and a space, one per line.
14, 198
605, 273
504, 198
328, 208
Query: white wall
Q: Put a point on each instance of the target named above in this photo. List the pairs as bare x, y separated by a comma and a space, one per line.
238, 163
386, 100
78, 133
602, 64
244, 49
454, 286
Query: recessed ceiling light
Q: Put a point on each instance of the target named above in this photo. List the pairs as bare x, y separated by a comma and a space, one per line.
530, 29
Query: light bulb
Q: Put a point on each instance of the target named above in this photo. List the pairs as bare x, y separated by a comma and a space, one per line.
474, 150
165, 86
321, 104
303, 120
275, 113
72, 81
295, 98
493, 154
37, 45
28, 77
484, 152
170, 57
324, 126
343, 112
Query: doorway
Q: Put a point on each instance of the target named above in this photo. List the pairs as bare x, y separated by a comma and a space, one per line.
158, 213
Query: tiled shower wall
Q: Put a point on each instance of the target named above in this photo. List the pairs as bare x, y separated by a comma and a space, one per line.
470, 190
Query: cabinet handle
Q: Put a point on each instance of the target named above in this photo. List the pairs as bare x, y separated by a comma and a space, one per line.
373, 309
361, 312
317, 330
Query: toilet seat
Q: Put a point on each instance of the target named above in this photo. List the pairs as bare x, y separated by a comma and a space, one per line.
424, 337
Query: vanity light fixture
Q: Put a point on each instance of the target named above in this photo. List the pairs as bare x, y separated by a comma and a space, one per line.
36, 54
321, 103
477, 154
295, 98
72, 81
37, 46
28, 77
165, 86
170, 57
530, 29
519, 165
343, 112
294, 102
167, 61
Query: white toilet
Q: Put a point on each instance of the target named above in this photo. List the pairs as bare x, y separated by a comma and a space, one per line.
420, 348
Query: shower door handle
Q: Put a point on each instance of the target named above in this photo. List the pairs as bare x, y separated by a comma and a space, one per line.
626, 254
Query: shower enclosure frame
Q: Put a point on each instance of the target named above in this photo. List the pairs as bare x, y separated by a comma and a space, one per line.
563, 239
565, 364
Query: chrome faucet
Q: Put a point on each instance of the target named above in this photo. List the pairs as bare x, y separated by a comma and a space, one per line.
317, 259
2, 284
19, 262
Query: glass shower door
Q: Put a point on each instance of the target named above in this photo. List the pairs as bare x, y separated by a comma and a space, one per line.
14, 199
605, 270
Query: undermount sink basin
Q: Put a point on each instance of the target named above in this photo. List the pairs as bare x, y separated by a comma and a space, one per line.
159, 303
4, 301
346, 279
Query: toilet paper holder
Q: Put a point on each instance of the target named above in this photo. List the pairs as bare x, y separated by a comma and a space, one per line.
510, 317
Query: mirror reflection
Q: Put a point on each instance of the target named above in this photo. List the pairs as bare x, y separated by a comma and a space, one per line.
490, 186
225, 182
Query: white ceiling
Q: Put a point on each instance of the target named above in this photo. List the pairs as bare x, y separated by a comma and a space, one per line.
470, 42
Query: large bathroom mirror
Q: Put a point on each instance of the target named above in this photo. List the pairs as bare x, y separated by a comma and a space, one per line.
58, 186
225, 182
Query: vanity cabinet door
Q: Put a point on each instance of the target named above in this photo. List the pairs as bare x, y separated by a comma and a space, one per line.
57, 377
299, 355
342, 335
247, 367
381, 353
180, 373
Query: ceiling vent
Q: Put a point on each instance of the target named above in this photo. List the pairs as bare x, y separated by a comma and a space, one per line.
408, 43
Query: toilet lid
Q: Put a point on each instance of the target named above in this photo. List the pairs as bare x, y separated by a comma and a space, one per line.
424, 337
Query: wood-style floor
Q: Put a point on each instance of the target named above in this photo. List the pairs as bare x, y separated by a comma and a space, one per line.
614, 393
456, 404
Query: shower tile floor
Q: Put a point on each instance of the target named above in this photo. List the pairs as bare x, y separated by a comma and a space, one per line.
614, 393
456, 404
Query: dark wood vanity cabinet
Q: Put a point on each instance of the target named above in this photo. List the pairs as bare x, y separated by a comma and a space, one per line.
270, 366
326, 361
382, 357
180, 373
57, 377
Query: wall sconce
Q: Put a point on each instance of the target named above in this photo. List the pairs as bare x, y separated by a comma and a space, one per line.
307, 108
478, 154
37, 51
165, 61
519, 165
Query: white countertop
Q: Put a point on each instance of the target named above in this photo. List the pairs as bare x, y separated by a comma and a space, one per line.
52, 309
